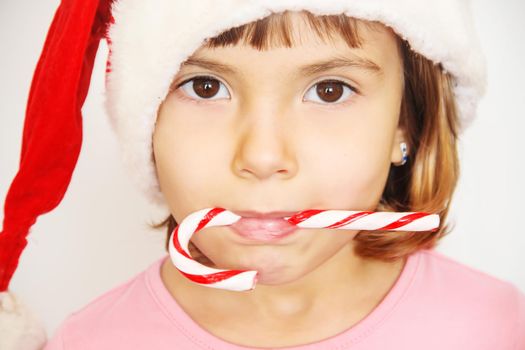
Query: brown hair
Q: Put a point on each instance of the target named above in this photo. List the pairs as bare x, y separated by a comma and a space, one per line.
428, 114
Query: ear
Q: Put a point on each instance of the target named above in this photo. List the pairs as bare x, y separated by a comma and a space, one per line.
396, 155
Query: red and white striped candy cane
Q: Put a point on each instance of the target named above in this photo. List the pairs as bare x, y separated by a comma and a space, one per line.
242, 280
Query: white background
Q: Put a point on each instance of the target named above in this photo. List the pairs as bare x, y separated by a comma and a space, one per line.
98, 236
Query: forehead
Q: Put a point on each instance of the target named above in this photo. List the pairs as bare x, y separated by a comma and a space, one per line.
290, 39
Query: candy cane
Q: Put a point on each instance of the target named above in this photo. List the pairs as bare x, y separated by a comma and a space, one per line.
242, 280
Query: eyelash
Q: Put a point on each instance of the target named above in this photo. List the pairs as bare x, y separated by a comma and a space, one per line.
329, 105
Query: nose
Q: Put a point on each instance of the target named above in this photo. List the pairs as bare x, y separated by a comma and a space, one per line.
264, 147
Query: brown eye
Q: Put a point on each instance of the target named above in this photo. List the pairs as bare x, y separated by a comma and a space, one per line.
329, 91
206, 88
203, 87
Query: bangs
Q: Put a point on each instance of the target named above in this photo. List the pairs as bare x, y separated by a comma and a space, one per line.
277, 30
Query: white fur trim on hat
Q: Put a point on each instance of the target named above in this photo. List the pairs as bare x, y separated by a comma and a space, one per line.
150, 39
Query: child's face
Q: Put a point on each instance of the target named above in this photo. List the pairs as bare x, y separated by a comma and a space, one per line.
264, 139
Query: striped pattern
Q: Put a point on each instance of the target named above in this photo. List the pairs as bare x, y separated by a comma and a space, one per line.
242, 280
366, 220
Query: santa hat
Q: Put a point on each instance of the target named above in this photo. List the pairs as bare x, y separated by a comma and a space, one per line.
148, 40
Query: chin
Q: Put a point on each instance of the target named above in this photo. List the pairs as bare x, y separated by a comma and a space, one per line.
276, 265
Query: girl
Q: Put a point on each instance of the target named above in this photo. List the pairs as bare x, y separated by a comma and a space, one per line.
268, 110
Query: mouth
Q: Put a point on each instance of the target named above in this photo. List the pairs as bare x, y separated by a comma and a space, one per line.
264, 227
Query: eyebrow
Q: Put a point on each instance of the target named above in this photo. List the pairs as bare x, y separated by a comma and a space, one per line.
309, 69
341, 62
211, 65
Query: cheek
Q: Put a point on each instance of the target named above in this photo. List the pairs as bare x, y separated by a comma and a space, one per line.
176, 174
350, 169
183, 153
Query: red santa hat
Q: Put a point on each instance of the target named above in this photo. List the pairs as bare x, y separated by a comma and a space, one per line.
148, 40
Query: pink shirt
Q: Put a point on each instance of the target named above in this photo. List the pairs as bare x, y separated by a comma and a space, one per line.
435, 304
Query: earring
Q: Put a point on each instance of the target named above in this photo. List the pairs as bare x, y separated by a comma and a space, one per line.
403, 147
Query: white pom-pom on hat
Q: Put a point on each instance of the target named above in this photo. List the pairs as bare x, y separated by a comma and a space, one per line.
19, 328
